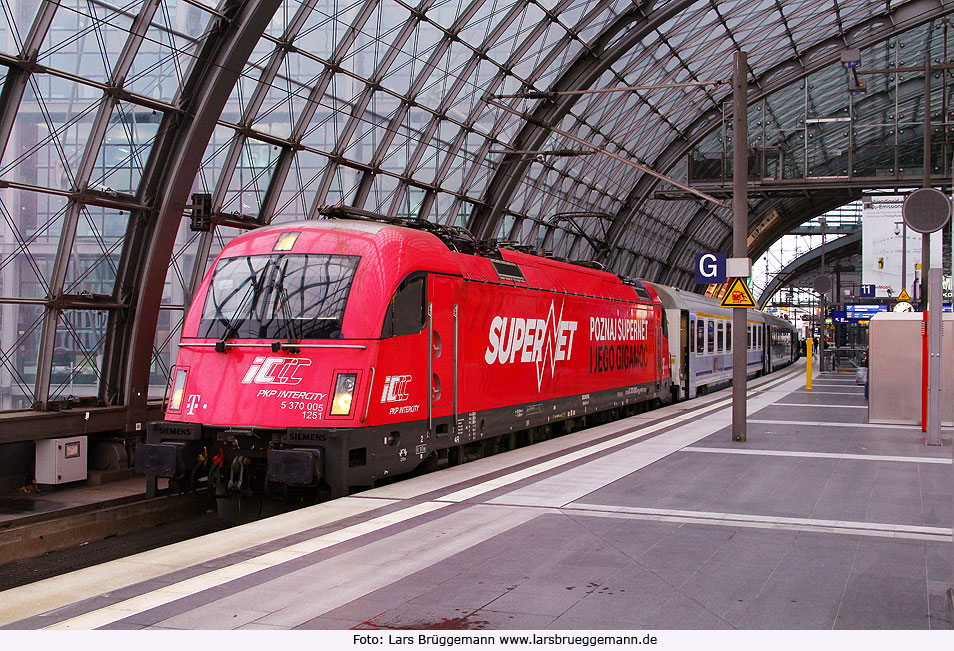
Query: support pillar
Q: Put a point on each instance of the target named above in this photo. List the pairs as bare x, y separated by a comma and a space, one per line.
740, 223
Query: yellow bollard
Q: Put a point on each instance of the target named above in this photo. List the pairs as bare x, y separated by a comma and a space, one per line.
808, 354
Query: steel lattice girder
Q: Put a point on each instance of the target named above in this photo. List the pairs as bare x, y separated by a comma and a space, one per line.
173, 166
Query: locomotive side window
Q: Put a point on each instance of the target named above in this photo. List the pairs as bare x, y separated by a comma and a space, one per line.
406, 313
278, 296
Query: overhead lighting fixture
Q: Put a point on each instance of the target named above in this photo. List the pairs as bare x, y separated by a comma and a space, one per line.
850, 58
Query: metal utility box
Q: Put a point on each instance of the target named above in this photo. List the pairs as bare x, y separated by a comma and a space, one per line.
894, 368
59, 461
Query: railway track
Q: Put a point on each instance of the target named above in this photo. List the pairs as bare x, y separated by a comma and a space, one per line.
38, 546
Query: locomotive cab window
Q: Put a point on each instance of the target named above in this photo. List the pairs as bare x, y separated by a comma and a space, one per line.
406, 313
297, 296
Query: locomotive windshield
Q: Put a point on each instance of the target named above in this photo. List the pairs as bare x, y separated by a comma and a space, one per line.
285, 296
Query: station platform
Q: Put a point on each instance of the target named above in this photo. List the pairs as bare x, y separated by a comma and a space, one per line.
20, 508
659, 521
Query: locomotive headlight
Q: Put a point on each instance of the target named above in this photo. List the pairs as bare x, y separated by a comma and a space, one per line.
286, 241
344, 392
178, 388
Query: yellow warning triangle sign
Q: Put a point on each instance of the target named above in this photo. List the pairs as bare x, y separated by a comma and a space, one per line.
904, 296
738, 295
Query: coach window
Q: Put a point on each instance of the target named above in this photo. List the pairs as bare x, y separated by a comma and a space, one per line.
719, 335
710, 336
700, 337
406, 313
728, 337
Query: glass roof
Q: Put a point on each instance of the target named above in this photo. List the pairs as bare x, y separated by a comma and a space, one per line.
392, 106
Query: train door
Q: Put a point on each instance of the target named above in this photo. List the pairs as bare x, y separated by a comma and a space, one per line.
442, 326
661, 329
697, 344
684, 332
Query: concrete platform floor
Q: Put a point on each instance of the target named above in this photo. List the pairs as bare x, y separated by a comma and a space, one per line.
818, 521
50, 501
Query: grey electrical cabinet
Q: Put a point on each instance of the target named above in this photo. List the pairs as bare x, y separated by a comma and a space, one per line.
60, 461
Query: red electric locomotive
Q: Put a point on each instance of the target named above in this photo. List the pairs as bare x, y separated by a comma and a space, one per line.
330, 355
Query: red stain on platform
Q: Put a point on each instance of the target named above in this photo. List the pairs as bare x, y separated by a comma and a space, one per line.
447, 624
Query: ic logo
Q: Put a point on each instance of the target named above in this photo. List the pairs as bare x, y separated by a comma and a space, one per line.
395, 388
275, 370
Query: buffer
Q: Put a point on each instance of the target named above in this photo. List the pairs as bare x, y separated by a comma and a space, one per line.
738, 295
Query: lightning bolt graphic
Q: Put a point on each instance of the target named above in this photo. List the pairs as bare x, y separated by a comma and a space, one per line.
549, 349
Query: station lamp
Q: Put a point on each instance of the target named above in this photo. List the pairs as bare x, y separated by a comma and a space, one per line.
850, 58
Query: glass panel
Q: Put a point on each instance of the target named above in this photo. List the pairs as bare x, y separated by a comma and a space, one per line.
165, 349
213, 160
125, 149
20, 327
249, 182
15, 23
50, 133
78, 354
30, 225
297, 193
278, 296
86, 38
96, 251
168, 50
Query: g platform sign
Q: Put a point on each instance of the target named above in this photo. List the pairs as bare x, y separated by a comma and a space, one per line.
710, 268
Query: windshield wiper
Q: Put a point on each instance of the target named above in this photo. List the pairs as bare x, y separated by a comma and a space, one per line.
231, 327
289, 322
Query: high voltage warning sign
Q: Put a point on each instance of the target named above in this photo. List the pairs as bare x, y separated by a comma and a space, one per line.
738, 295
